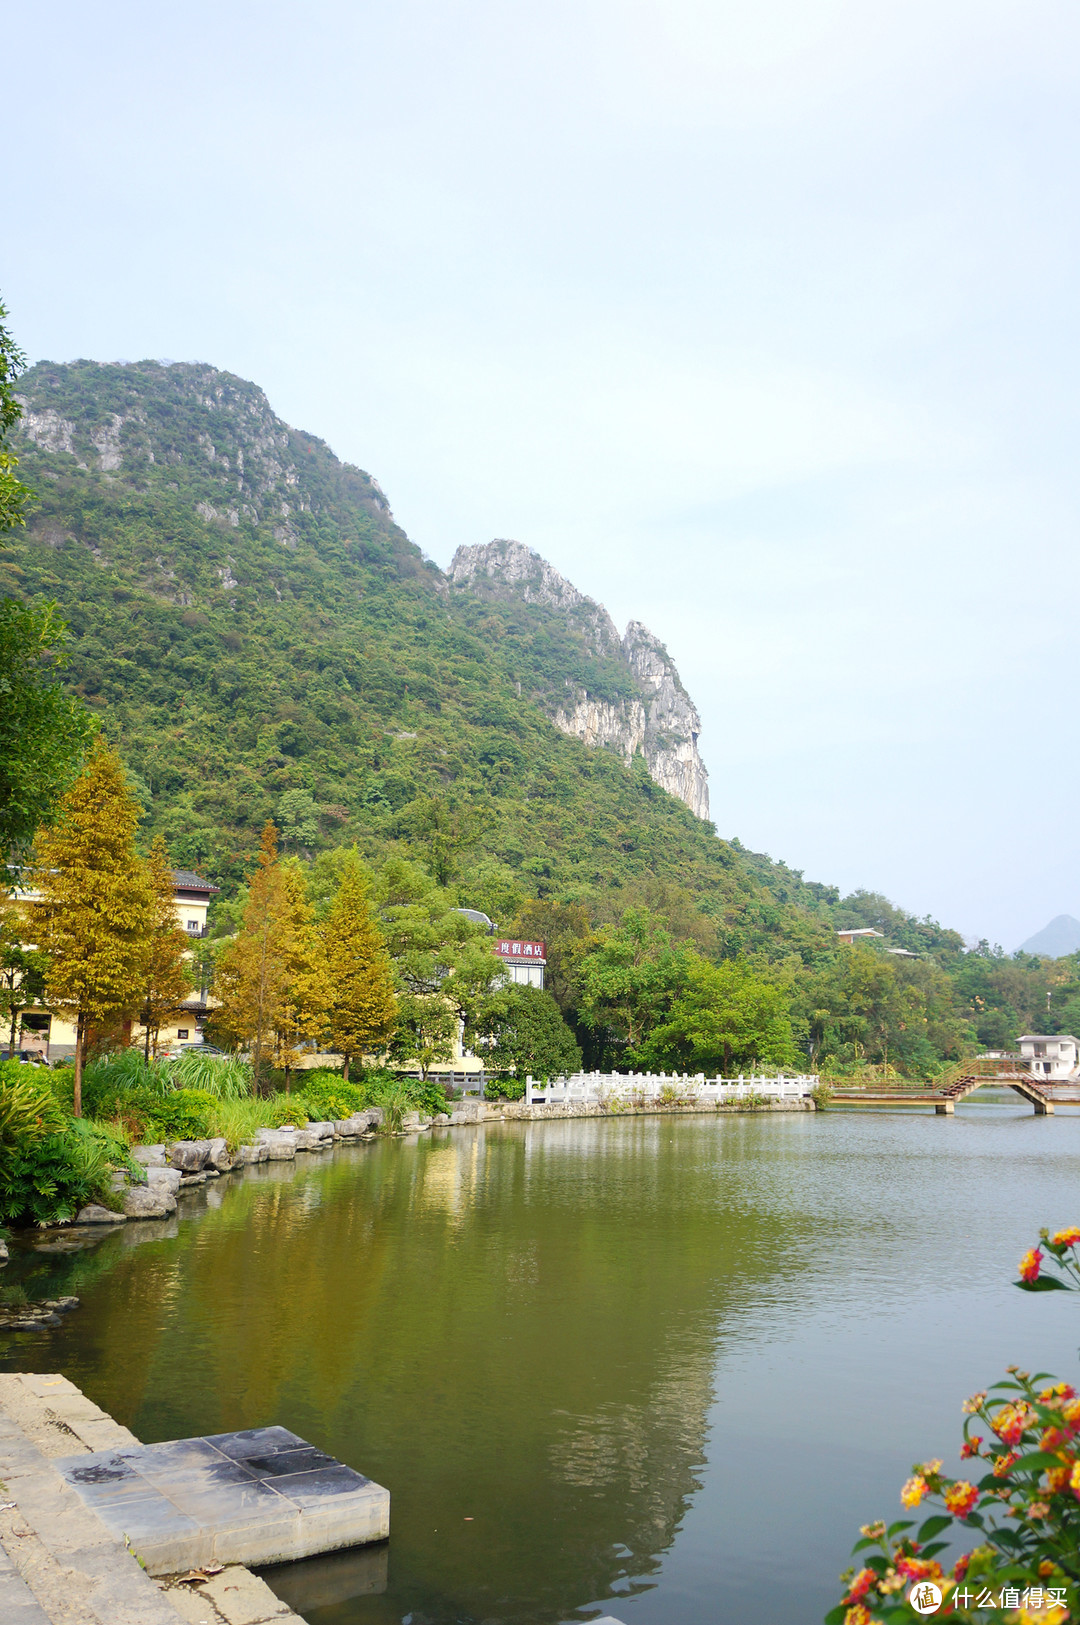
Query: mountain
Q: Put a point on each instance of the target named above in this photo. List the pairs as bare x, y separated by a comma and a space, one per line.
252, 624
1054, 941
654, 715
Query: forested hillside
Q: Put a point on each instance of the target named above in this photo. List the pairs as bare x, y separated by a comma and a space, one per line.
260, 639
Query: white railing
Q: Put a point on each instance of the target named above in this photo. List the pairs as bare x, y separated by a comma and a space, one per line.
602, 1088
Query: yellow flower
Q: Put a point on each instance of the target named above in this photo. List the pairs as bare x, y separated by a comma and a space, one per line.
975, 1403
873, 1531
914, 1490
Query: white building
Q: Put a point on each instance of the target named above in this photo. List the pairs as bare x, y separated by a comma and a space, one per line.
1053, 1056
525, 961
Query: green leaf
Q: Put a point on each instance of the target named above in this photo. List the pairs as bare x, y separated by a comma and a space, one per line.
1041, 1460
899, 1527
933, 1526
1045, 1283
835, 1616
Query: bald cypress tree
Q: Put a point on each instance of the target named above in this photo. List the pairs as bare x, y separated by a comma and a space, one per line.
93, 918
351, 981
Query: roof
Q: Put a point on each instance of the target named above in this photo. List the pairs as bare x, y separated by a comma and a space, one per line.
858, 931
188, 880
1047, 1038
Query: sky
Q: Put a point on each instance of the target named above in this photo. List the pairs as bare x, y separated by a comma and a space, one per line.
759, 322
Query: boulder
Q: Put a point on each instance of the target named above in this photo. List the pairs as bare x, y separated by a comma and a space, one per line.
155, 1201
151, 1156
94, 1213
469, 1111
187, 1180
375, 1117
304, 1140
441, 1119
322, 1131
165, 1178
3, 1252
346, 1129
280, 1143
218, 1157
189, 1155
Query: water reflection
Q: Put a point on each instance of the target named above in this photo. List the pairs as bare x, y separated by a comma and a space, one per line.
630, 1363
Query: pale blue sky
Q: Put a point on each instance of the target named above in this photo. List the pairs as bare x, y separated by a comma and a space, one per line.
759, 322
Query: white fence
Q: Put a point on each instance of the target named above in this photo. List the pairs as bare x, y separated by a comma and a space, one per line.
600, 1088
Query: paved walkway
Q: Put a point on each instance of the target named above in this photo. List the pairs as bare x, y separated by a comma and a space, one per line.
59, 1564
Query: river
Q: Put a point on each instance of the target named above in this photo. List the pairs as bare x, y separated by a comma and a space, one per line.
659, 1367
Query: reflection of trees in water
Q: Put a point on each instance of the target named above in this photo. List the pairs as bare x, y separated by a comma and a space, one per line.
517, 1324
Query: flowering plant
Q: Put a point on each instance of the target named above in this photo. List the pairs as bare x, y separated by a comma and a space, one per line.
1024, 1511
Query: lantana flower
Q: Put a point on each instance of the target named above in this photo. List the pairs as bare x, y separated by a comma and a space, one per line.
960, 1498
913, 1490
1030, 1265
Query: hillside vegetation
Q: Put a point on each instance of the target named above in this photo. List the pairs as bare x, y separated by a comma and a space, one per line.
260, 639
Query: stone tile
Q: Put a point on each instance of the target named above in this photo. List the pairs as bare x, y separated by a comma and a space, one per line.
242, 1598
304, 1459
191, 1605
255, 1442
228, 1504
313, 1489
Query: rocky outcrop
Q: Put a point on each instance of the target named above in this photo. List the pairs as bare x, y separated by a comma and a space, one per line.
660, 722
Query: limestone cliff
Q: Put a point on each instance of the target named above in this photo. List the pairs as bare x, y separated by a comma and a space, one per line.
653, 715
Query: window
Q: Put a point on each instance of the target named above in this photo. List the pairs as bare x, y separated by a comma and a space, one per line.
182, 1032
194, 926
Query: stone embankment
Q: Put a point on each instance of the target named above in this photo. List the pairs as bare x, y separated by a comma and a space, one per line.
172, 1169
59, 1562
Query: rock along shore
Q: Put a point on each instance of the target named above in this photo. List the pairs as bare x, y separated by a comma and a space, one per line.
171, 1169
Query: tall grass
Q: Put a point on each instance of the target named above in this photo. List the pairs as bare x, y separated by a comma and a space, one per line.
223, 1076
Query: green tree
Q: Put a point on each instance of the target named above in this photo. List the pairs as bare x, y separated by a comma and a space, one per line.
93, 914
351, 979
13, 494
520, 1032
727, 1018
44, 733
298, 818
167, 978
629, 981
22, 970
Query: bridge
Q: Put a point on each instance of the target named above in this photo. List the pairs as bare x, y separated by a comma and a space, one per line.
954, 1083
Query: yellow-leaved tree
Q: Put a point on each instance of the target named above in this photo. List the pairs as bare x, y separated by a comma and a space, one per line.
92, 918
167, 977
350, 981
257, 971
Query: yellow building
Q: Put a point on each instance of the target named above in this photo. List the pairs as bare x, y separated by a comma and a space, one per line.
53, 1037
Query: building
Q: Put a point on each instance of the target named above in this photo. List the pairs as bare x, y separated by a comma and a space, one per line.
525, 961
1053, 1056
849, 935
53, 1036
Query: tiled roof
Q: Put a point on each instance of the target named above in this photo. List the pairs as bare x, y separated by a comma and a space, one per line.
188, 880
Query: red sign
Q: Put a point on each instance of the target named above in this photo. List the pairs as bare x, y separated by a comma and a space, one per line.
508, 948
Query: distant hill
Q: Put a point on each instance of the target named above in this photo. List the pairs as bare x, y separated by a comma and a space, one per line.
1054, 941
250, 622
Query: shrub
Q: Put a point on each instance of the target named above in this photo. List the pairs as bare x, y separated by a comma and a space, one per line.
329, 1098
1023, 1509
504, 1088
182, 1114
45, 1178
237, 1121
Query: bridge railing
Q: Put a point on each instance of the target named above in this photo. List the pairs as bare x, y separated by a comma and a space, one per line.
650, 1088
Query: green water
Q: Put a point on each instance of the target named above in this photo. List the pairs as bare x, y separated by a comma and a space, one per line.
656, 1367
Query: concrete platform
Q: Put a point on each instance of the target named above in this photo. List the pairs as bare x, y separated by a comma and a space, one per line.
258, 1497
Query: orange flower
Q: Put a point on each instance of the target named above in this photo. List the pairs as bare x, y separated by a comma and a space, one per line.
1074, 1480
918, 1568
860, 1585
1057, 1479
1029, 1265
859, 1615
971, 1446
1071, 1413
1066, 1238
975, 1403
1003, 1463
913, 1490
960, 1498
960, 1567
1010, 1422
